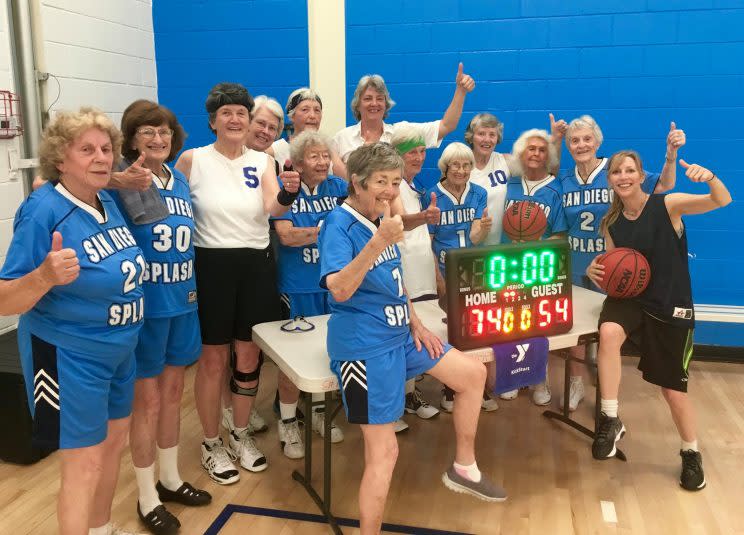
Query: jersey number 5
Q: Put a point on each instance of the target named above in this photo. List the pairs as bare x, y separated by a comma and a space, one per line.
251, 179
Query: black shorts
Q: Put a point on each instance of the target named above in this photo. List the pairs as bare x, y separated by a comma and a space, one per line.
665, 348
237, 290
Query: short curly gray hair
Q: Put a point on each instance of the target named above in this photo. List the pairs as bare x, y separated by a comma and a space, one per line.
376, 82
262, 101
65, 129
521, 144
455, 151
484, 120
585, 121
299, 145
367, 159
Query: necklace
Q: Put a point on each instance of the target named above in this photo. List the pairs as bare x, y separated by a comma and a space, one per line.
635, 213
536, 185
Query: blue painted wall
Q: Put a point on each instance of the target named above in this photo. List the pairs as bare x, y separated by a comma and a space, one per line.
634, 65
259, 43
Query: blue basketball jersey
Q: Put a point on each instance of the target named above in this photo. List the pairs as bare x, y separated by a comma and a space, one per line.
453, 229
169, 282
299, 267
102, 310
547, 194
585, 204
375, 319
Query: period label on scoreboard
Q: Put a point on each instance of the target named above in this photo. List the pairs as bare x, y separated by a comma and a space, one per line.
507, 292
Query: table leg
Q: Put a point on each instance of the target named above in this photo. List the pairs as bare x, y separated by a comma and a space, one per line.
564, 415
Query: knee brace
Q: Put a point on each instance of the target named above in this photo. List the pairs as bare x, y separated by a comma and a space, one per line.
245, 377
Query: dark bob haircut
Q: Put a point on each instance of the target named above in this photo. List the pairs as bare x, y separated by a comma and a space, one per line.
147, 113
226, 93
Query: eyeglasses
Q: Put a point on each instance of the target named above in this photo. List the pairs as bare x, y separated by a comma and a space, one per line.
315, 157
464, 167
149, 133
297, 325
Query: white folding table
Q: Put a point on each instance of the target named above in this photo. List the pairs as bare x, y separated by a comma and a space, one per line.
302, 356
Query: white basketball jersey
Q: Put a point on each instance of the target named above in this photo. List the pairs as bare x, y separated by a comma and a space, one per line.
416, 253
493, 177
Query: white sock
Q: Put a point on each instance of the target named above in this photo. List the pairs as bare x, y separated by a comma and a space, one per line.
168, 461
410, 386
318, 396
288, 410
212, 441
470, 472
103, 530
148, 496
689, 445
609, 407
577, 379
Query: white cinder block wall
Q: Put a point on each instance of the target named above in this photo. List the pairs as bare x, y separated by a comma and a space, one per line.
103, 54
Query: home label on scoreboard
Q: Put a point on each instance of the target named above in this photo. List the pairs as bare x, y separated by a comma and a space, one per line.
507, 292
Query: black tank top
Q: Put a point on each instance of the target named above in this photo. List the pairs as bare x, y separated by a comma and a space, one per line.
668, 295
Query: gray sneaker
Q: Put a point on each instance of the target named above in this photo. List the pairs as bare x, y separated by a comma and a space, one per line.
484, 489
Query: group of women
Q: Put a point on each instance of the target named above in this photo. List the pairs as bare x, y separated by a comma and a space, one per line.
125, 273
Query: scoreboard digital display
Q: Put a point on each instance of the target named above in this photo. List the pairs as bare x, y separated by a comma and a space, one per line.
507, 292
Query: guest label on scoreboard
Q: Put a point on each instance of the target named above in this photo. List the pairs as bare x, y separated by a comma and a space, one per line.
507, 292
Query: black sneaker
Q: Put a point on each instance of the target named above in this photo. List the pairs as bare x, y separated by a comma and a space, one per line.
609, 431
692, 476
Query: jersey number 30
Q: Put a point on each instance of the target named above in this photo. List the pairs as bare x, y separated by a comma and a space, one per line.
164, 240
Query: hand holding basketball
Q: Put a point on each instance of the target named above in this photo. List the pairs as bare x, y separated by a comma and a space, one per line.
61, 266
432, 213
697, 173
626, 272
595, 271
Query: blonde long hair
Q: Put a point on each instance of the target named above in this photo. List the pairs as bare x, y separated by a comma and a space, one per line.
617, 205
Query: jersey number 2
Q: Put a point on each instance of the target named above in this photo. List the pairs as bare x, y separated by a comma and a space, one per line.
587, 221
130, 272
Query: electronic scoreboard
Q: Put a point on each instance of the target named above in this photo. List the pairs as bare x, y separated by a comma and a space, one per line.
507, 292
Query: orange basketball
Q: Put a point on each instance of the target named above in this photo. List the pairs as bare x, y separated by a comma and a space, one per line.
627, 272
524, 221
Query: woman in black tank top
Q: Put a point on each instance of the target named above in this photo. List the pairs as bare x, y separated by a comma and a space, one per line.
661, 318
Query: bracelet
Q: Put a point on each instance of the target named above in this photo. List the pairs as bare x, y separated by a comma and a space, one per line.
711, 179
285, 198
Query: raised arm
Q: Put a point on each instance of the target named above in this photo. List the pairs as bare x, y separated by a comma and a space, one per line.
675, 139
277, 201
558, 131
680, 204
292, 236
464, 84
61, 266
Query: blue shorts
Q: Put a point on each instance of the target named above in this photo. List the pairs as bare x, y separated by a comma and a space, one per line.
312, 304
373, 390
73, 395
165, 342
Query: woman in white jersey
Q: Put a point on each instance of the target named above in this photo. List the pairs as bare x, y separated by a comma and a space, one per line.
371, 104
304, 112
234, 191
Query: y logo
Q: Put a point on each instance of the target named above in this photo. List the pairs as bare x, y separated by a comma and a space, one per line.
522, 351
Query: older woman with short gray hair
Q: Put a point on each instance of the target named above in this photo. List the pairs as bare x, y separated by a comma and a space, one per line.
371, 104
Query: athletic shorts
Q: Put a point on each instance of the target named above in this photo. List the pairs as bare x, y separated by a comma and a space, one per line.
73, 395
373, 390
237, 290
665, 348
312, 304
165, 342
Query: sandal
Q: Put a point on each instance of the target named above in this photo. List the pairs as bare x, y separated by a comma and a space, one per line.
160, 521
185, 495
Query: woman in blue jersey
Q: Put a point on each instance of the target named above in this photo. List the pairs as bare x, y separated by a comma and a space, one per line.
660, 320
299, 268
464, 221
537, 155
376, 341
586, 199
74, 273
169, 339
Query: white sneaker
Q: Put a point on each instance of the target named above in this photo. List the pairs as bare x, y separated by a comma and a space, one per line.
217, 461
116, 530
243, 447
575, 394
447, 404
290, 438
541, 394
509, 395
227, 419
488, 404
416, 404
256, 424
399, 426
319, 427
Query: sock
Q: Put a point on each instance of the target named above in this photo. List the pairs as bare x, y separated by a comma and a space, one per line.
212, 441
609, 407
288, 410
103, 530
689, 445
168, 461
410, 386
240, 431
148, 496
318, 396
577, 379
470, 472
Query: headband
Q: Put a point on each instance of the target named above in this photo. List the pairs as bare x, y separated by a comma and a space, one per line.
410, 144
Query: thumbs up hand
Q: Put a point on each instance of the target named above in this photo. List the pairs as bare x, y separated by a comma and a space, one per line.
486, 222
697, 173
432, 214
290, 178
464, 81
61, 266
136, 176
558, 128
675, 139
391, 228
